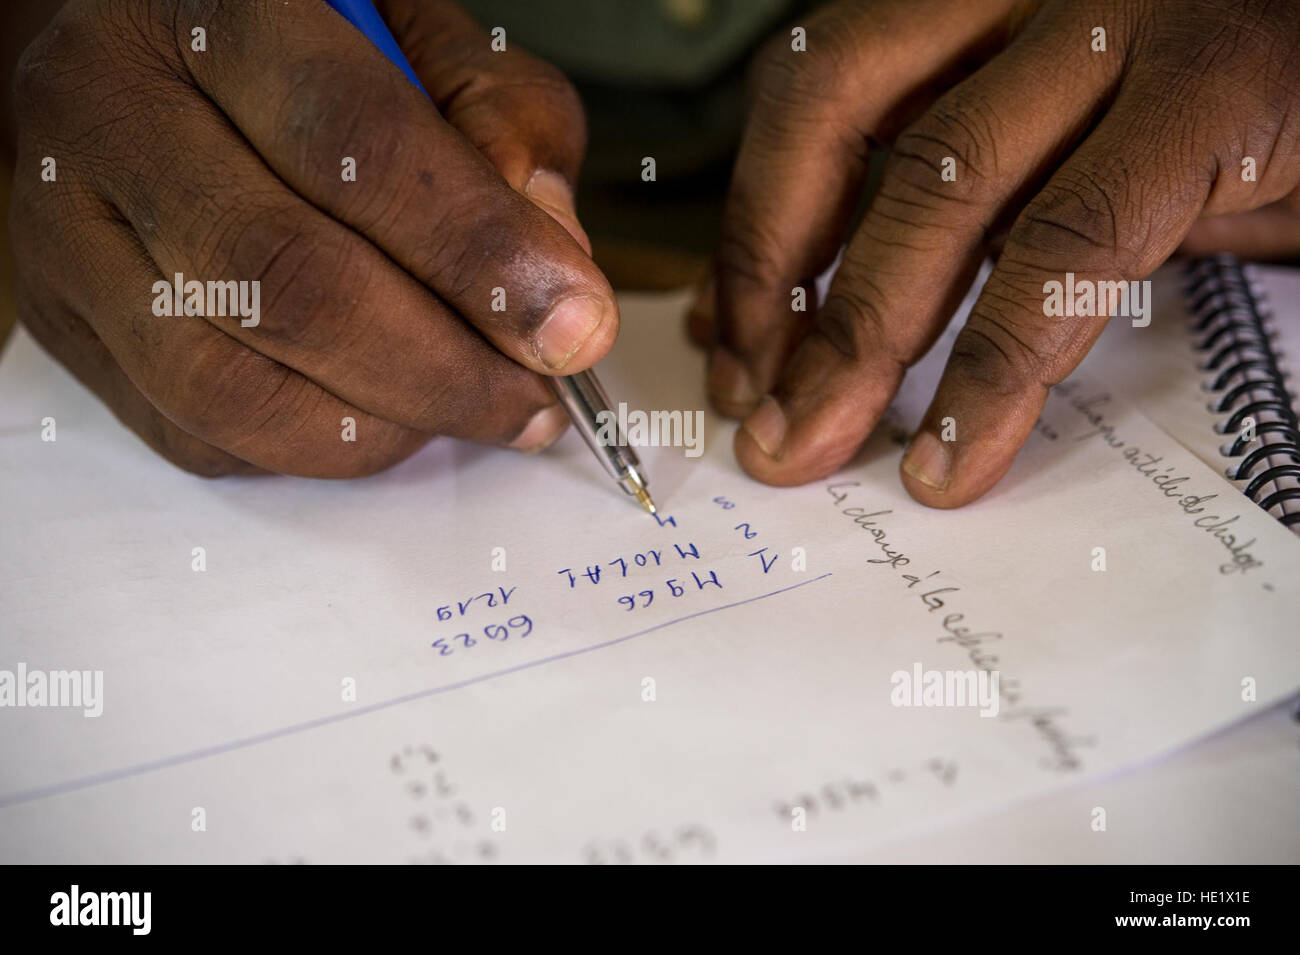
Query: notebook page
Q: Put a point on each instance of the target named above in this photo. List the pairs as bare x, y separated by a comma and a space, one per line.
1228, 800
1159, 369
351, 679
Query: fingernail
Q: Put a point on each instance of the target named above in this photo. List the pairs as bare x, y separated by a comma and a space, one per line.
929, 461
767, 426
550, 188
729, 380
567, 328
542, 431
552, 192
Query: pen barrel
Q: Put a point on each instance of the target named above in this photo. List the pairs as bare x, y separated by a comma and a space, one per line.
588, 405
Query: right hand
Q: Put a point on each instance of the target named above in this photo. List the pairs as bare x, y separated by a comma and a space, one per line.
376, 295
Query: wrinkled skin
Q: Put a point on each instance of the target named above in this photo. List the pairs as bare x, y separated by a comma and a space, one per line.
1097, 163
376, 295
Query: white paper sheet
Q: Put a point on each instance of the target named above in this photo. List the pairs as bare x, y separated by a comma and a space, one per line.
1159, 370
1228, 800
224, 690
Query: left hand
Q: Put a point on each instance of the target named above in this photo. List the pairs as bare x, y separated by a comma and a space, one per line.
1101, 163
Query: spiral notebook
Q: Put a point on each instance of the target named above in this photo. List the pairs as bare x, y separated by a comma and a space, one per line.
1237, 330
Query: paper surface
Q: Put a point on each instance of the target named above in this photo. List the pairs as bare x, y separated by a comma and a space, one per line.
1159, 369
224, 690
1229, 800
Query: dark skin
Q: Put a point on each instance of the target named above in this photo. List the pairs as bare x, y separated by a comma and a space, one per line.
376, 294
1098, 163
376, 301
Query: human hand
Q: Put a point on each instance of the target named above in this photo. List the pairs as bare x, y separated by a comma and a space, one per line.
1099, 162
377, 293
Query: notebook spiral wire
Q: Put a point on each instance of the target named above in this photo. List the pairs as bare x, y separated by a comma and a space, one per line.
1232, 332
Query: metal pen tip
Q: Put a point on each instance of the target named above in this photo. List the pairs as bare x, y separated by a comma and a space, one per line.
643, 496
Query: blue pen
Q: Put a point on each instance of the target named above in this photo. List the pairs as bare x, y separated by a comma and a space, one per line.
581, 395
363, 15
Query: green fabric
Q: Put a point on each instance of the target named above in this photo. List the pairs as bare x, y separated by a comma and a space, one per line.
666, 44
661, 78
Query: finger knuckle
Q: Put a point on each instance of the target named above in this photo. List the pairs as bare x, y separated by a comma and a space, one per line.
1080, 221
786, 77
1246, 47
844, 320
550, 91
992, 352
531, 115
310, 279
853, 317
960, 134
749, 253
544, 91
38, 74
50, 77
31, 83
222, 395
261, 411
